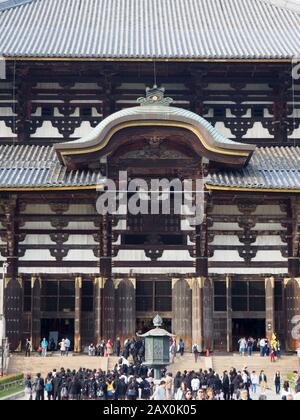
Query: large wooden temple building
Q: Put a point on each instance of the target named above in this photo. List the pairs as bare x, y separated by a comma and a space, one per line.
222, 106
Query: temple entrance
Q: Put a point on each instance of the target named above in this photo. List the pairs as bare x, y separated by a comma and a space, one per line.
145, 324
58, 329
255, 328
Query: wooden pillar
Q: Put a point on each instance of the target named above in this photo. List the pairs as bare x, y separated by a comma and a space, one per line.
125, 308
36, 285
270, 310
108, 310
182, 311
13, 285
292, 312
108, 292
229, 313
197, 320
77, 338
98, 289
294, 237
208, 328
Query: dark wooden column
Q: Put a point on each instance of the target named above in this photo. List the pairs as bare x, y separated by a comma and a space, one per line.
280, 107
270, 310
13, 294
125, 308
229, 313
182, 311
98, 289
294, 237
77, 335
197, 312
108, 292
24, 103
208, 329
292, 305
108, 310
36, 285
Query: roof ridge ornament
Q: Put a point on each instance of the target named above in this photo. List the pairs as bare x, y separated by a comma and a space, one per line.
155, 96
157, 321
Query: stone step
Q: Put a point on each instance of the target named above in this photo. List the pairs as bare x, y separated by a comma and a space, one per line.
44, 365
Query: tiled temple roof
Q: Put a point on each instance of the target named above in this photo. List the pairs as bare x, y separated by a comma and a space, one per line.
148, 29
38, 167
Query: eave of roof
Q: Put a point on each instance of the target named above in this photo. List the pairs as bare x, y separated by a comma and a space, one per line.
36, 168
144, 30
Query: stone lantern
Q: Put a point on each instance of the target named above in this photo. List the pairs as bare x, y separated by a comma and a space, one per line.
157, 346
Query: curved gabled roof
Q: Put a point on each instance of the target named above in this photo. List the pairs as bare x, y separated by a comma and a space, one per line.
156, 112
149, 29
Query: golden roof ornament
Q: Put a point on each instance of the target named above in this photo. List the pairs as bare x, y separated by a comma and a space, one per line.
155, 96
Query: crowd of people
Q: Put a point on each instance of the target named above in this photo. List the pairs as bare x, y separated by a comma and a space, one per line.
267, 348
135, 381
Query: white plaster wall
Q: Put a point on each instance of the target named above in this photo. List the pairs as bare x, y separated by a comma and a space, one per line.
221, 210
37, 254
6, 131
37, 240
48, 86
257, 131
80, 255
220, 126
176, 255
269, 210
83, 130
81, 240
153, 270
59, 270
80, 226
259, 271
37, 209
7, 112
269, 226
265, 256
38, 225
225, 240
47, 130
81, 209
271, 240
225, 226
131, 255
225, 255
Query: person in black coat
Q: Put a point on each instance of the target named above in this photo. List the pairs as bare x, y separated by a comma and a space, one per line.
118, 347
226, 386
39, 386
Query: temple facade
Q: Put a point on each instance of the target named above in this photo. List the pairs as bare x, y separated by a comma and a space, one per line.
91, 97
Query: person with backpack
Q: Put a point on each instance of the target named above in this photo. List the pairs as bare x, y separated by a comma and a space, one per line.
132, 390
146, 389
64, 393
110, 389
49, 386
39, 387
